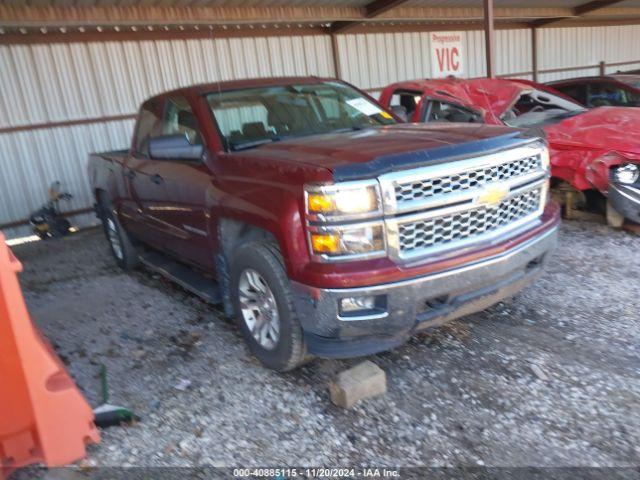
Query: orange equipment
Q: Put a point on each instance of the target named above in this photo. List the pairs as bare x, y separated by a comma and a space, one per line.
43, 416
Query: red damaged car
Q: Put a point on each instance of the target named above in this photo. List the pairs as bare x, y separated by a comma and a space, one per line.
619, 90
593, 150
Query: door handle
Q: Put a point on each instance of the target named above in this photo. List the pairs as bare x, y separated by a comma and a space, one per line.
131, 174
157, 179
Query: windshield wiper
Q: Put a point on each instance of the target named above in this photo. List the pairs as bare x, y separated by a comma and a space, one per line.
352, 128
236, 146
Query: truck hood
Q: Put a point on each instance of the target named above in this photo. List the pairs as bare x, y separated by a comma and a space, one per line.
373, 151
603, 128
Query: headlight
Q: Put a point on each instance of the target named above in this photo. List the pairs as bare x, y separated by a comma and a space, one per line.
544, 157
349, 200
357, 241
627, 174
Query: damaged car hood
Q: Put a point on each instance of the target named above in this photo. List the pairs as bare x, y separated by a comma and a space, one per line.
583, 146
488, 96
605, 128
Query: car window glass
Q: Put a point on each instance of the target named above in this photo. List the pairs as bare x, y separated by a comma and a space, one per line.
577, 92
179, 119
605, 94
407, 99
250, 117
438, 111
148, 125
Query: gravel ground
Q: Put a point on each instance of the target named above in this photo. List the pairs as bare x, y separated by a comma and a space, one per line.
548, 378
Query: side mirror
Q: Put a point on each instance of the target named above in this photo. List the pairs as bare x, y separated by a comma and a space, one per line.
174, 147
401, 112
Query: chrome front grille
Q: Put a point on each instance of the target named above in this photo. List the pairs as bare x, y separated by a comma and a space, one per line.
470, 179
470, 224
441, 208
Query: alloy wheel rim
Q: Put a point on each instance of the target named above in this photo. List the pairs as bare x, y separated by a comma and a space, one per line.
259, 309
114, 238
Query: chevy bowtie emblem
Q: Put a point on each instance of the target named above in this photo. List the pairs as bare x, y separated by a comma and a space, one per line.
492, 195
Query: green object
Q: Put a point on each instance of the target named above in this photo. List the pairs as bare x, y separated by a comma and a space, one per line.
107, 415
105, 386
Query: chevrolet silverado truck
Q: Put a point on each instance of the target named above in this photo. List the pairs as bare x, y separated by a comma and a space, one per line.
325, 225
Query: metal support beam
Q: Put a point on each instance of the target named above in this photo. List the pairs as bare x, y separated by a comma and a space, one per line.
589, 7
534, 53
371, 10
578, 11
489, 37
378, 7
335, 51
142, 16
342, 26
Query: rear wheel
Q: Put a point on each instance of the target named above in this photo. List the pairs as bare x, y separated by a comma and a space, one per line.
264, 307
121, 244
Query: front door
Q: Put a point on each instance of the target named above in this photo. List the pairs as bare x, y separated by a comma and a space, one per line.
172, 192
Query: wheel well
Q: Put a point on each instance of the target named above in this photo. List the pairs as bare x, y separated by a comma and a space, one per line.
99, 195
231, 235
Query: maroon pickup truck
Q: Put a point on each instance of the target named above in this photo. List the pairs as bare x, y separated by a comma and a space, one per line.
322, 223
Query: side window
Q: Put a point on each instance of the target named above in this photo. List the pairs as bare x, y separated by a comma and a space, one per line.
179, 119
577, 92
406, 99
604, 94
148, 126
438, 111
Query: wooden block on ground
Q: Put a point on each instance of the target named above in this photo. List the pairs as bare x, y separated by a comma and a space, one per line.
365, 380
631, 227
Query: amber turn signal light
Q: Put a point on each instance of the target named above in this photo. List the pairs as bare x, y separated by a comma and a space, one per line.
325, 243
321, 203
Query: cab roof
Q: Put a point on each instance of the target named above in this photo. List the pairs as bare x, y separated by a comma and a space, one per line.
204, 88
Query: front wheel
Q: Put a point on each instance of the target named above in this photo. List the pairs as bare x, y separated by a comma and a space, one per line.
121, 245
264, 307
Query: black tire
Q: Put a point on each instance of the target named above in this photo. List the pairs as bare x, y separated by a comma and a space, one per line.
126, 255
290, 350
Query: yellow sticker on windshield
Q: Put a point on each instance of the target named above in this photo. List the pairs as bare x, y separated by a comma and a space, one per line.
386, 115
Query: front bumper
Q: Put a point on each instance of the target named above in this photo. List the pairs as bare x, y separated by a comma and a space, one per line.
626, 200
413, 305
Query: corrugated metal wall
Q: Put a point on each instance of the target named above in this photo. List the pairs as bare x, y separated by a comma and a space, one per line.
374, 60
61, 82
575, 47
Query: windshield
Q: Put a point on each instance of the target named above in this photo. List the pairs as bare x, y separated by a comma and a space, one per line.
538, 108
251, 117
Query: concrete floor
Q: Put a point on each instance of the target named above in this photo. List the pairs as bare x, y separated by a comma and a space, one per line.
549, 378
